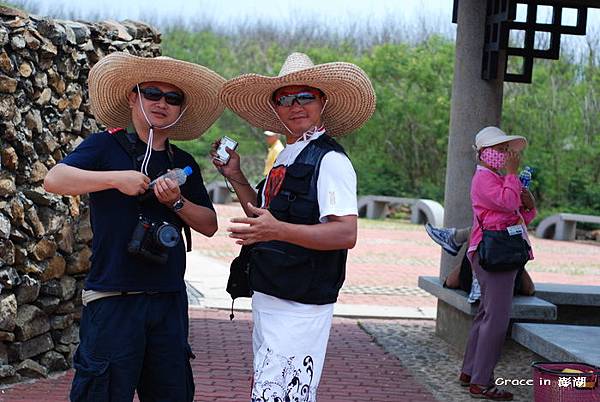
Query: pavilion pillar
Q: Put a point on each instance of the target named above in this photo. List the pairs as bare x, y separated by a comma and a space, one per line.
475, 104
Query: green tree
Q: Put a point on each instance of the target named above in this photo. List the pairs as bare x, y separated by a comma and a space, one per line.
402, 149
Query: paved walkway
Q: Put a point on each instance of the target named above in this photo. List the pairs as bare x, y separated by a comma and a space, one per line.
368, 360
389, 257
357, 369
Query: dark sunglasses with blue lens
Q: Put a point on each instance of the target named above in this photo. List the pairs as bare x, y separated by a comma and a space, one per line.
155, 94
303, 98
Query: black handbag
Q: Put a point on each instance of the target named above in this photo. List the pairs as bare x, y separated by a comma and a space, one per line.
500, 251
238, 283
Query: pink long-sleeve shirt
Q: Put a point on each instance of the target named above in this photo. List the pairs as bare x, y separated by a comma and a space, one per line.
496, 201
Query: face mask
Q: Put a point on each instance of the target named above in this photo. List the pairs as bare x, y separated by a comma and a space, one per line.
493, 158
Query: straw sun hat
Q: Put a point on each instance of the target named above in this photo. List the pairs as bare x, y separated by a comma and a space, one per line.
490, 136
350, 95
113, 78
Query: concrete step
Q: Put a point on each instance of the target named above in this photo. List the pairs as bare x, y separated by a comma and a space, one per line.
524, 307
575, 343
575, 295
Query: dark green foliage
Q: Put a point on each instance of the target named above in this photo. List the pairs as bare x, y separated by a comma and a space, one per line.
402, 149
560, 115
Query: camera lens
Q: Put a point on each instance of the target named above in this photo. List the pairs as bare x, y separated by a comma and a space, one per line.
167, 235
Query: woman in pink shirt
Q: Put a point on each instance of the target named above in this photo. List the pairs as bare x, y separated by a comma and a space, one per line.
498, 202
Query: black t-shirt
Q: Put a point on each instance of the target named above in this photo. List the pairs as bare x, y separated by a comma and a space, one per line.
114, 216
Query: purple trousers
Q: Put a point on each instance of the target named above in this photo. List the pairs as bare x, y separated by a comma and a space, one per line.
489, 328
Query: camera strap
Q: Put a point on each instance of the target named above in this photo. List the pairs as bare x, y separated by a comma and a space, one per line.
128, 142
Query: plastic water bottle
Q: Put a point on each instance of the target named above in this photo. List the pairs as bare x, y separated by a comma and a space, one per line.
525, 177
178, 175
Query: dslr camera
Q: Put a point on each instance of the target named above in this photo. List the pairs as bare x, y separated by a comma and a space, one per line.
152, 240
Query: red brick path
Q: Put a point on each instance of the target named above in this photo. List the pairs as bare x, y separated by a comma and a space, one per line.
388, 255
393, 254
356, 368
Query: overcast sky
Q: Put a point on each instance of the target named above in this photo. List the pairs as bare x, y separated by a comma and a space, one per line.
434, 14
225, 10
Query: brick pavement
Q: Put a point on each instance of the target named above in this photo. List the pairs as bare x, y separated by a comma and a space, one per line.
394, 254
356, 368
386, 263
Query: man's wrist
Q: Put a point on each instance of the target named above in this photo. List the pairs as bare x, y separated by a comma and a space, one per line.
237, 176
111, 179
178, 205
282, 231
239, 179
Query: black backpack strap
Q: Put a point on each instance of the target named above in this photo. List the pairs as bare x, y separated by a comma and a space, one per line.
186, 228
128, 143
332, 143
188, 237
170, 153
259, 189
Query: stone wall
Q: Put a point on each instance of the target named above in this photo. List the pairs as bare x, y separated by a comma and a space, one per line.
44, 238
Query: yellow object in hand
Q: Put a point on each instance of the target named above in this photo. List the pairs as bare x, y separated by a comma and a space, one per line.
569, 370
590, 382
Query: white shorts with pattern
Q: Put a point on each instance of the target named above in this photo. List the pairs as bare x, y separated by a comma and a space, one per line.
289, 342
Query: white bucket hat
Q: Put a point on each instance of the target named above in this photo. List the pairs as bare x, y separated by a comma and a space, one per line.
492, 135
350, 94
113, 78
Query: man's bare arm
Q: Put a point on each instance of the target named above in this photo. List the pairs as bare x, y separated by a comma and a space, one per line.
339, 232
232, 171
69, 180
201, 219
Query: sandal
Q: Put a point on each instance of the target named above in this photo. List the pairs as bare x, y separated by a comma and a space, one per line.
492, 393
465, 380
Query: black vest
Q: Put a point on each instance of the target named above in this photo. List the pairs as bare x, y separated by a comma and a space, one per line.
292, 272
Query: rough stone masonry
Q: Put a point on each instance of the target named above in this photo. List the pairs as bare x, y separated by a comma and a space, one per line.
44, 238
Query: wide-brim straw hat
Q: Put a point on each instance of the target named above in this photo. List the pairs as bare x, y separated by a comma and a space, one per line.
350, 94
113, 78
490, 136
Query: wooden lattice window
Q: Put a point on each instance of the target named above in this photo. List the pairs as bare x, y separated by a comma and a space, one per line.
521, 38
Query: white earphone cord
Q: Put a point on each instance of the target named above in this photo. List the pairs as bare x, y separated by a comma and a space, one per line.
307, 132
146, 161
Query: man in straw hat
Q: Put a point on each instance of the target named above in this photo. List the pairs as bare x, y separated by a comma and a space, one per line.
304, 218
134, 321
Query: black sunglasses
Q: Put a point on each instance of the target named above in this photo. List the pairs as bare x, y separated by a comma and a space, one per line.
155, 94
302, 98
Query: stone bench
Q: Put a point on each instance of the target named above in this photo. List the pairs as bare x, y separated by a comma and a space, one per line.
576, 304
455, 314
575, 295
524, 307
562, 226
575, 343
378, 206
218, 192
422, 210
